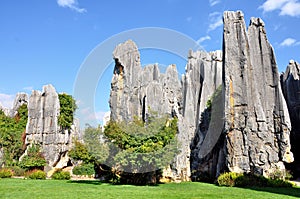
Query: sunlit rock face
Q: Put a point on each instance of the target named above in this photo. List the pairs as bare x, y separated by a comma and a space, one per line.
257, 122
43, 128
232, 115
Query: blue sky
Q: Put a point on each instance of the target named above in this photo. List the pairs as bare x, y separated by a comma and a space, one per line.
47, 41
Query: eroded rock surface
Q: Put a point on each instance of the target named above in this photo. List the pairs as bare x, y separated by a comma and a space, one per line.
202, 78
20, 99
135, 89
42, 127
257, 123
232, 115
290, 81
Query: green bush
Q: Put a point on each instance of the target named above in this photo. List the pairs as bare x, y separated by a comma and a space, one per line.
85, 169
61, 175
36, 174
228, 179
34, 159
17, 171
6, 173
279, 183
80, 152
250, 180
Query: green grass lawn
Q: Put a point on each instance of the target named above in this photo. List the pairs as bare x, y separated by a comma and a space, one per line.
19, 188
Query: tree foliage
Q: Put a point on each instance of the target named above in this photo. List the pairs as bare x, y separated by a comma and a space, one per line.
34, 159
11, 130
79, 151
98, 149
67, 110
143, 147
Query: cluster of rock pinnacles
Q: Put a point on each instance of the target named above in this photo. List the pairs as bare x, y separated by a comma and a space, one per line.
252, 126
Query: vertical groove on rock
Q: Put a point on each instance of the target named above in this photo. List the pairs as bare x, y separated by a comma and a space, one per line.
258, 113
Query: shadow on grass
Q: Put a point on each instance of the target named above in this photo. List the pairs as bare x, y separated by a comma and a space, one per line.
293, 191
98, 182
90, 182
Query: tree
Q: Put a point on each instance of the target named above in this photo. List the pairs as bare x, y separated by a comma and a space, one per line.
67, 110
143, 148
11, 130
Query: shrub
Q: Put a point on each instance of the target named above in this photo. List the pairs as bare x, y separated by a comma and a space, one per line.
250, 180
228, 179
85, 169
80, 152
279, 183
34, 159
17, 171
36, 174
61, 175
6, 173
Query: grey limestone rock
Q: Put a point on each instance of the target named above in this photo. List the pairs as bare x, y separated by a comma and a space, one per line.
20, 99
135, 89
290, 81
257, 123
231, 111
42, 126
202, 78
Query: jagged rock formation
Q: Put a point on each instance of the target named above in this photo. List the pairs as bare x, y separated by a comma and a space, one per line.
5, 110
20, 99
232, 115
202, 78
290, 82
43, 128
135, 89
257, 123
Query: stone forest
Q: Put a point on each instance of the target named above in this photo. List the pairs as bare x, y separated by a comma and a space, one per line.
232, 112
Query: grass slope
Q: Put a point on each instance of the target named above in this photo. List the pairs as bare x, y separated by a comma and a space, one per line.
19, 188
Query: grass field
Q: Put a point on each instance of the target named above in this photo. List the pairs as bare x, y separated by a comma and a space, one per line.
20, 188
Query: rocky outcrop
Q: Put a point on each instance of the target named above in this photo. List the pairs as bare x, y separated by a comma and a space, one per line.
257, 123
232, 115
5, 110
43, 128
20, 99
202, 78
136, 90
290, 81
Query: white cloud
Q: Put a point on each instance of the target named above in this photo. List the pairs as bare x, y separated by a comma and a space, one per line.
215, 20
289, 42
6, 100
291, 8
202, 39
214, 2
72, 4
286, 7
271, 5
